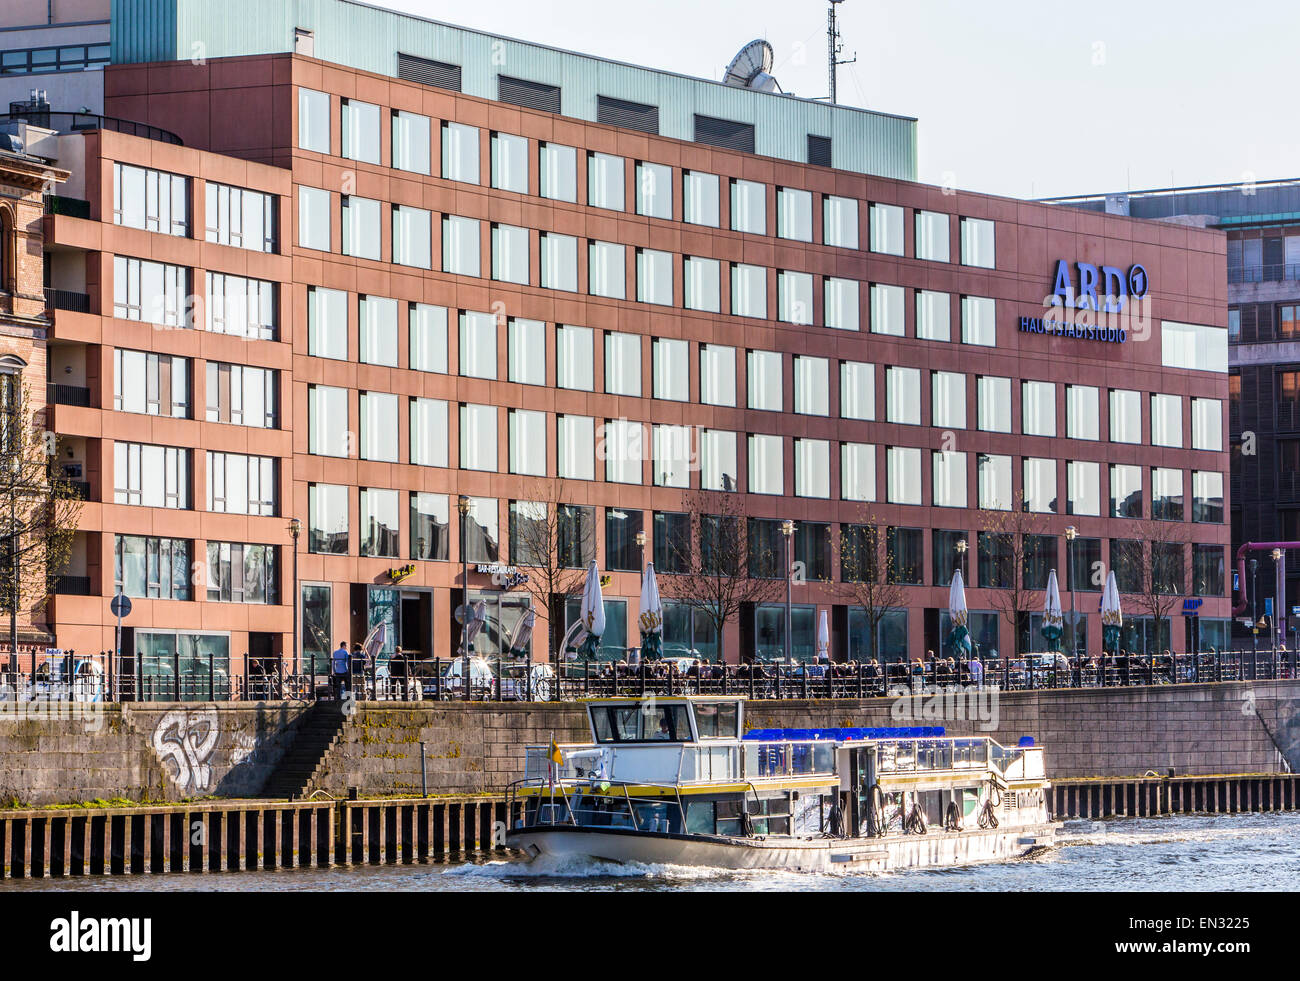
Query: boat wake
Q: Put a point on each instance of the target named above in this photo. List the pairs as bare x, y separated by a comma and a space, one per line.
1169, 830
576, 867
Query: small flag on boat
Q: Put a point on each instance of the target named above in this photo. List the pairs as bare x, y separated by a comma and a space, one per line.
556, 757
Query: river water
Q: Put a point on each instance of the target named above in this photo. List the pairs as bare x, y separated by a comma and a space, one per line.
1178, 854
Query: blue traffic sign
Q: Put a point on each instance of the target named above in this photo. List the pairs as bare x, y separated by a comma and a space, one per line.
120, 605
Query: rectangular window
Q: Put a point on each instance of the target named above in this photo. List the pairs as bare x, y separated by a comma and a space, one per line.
748, 290
430, 527
841, 299
242, 395
979, 321
903, 474
606, 270
241, 307
1125, 491
510, 162
528, 442
478, 437
412, 236
857, 390
1083, 484
313, 121
460, 153
794, 214
575, 539
857, 471
812, 386
623, 443
949, 479
886, 229
526, 343
1167, 420
654, 277
1125, 416
327, 420
327, 323
559, 262
1207, 424
153, 292
699, 198
412, 137
152, 568
948, 399
313, 218
1082, 412
748, 207
997, 560
672, 372
945, 560
379, 426
621, 550
977, 243
717, 375
1166, 494
933, 316
241, 484
764, 376
379, 528
840, 222
327, 519
1207, 496
1038, 408
152, 476
1199, 347
360, 223
378, 339
719, 469
794, 296
428, 340
994, 477
672, 542
359, 123
623, 364
605, 181
1040, 486
575, 447
887, 313
766, 465
478, 345
993, 404
574, 357
429, 423
1040, 553
152, 384
903, 550
654, 190
811, 468
932, 236
460, 245
903, 395
701, 280
1083, 562
671, 456
482, 530
557, 172
1208, 570
154, 200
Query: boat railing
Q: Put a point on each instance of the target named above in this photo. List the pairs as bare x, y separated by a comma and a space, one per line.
934, 754
555, 803
695, 762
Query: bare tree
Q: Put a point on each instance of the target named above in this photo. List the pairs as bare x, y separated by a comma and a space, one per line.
38, 509
1154, 564
552, 543
869, 572
1005, 541
717, 568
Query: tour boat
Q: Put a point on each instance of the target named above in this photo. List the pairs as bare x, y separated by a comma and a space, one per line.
673, 781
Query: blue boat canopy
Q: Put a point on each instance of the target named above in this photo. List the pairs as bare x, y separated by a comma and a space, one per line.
843, 735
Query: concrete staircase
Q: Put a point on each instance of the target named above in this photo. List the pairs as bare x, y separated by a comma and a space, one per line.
316, 735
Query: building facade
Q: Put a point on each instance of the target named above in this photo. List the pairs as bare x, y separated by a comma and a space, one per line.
351, 298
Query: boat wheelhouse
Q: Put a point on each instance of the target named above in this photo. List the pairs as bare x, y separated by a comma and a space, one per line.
679, 781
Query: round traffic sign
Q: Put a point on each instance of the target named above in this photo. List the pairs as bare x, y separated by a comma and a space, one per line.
120, 605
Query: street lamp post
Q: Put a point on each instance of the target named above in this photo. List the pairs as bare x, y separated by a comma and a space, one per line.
464, 505
1071, 533
1278, 597
1254, 594
640, 541
295, 530
787, 531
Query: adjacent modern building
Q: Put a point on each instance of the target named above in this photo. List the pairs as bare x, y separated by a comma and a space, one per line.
1262, 223
345, 268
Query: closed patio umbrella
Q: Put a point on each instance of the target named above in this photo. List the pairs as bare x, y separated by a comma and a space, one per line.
959, 637
1112, 617
592, 611
652, 614
823, 638
1053, 621
522, 636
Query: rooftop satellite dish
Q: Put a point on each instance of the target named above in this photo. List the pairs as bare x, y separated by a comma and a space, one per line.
751, 67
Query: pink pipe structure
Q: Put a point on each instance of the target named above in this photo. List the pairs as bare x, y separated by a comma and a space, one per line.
1279, 614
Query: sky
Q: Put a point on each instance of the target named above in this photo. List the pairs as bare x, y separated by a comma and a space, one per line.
1027, 98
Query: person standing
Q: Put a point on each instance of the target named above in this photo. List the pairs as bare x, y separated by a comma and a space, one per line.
340, 664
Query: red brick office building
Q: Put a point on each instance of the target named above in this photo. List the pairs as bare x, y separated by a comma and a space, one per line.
350, 298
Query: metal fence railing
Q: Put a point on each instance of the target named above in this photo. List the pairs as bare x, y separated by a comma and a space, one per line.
168, 678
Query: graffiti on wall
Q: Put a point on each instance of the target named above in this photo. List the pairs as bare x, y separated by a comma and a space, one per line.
184, 740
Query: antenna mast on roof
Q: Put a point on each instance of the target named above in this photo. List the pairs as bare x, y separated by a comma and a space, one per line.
834, 47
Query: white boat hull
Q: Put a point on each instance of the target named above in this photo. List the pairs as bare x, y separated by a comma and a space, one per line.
937, 849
